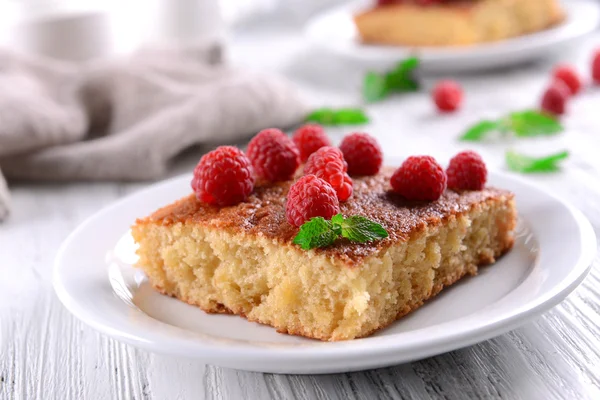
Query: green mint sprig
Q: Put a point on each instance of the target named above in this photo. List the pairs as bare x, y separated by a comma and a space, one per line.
342, 116
318, 232
528, 123
526, 164
401, 79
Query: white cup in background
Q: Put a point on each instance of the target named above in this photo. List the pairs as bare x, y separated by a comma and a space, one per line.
189, 21
64, 30
80, 30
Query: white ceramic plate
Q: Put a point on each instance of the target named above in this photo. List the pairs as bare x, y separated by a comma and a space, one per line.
95, 280
335, 32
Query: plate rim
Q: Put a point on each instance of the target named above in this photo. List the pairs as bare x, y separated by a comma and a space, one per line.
336, 352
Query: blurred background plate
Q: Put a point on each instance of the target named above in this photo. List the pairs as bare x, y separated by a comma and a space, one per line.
334, 31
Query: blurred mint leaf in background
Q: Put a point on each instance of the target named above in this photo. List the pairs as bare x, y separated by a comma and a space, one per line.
528, 123
342, 116
479, 130
374, 87
526, 164
400, 79
531, 123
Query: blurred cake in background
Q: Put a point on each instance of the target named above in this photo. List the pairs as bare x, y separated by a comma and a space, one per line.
454, 22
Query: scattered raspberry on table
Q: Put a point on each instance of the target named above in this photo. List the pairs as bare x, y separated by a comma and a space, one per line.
274, 156
310, 197
467, 171
447, 96
362, 153
419, 178
310, 138
554, 100
328, 164
596, 67
569, 76
223, 177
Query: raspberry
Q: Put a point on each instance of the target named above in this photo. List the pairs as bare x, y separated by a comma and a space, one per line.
362, 153
310, 138
274, 156
310, 197
447, 96
223, 177
328, 164
466, 171
569, 76
596, 67
555, 98
419, 178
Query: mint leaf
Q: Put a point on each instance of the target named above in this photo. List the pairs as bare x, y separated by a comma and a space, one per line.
361, 229
479, 130
350, 116
315, 233
528, 123
409, 64
400, 79
336, 222
321, 233
531, 123
342, 116
375, 87
323, 116
527, 164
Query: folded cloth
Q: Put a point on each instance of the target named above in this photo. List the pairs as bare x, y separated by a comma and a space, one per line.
4, 198
126, 119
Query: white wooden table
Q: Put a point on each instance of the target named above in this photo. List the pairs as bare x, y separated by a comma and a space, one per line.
47, 354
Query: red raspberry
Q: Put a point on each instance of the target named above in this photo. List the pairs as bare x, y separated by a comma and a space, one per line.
387, 2
596, 67
328, 164
419, 178
466, 171
447, 95
555, 98
569, 76
310, 197
310, 138
362, 153
223, 177
274, 156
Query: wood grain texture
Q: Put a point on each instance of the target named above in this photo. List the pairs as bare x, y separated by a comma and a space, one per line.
45, 353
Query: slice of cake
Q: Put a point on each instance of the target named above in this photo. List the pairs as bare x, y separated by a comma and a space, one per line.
241, 259
454, 22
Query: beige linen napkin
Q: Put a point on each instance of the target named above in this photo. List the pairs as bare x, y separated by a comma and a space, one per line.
4, 198
124, 120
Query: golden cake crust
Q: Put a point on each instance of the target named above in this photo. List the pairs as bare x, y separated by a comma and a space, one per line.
263, 214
